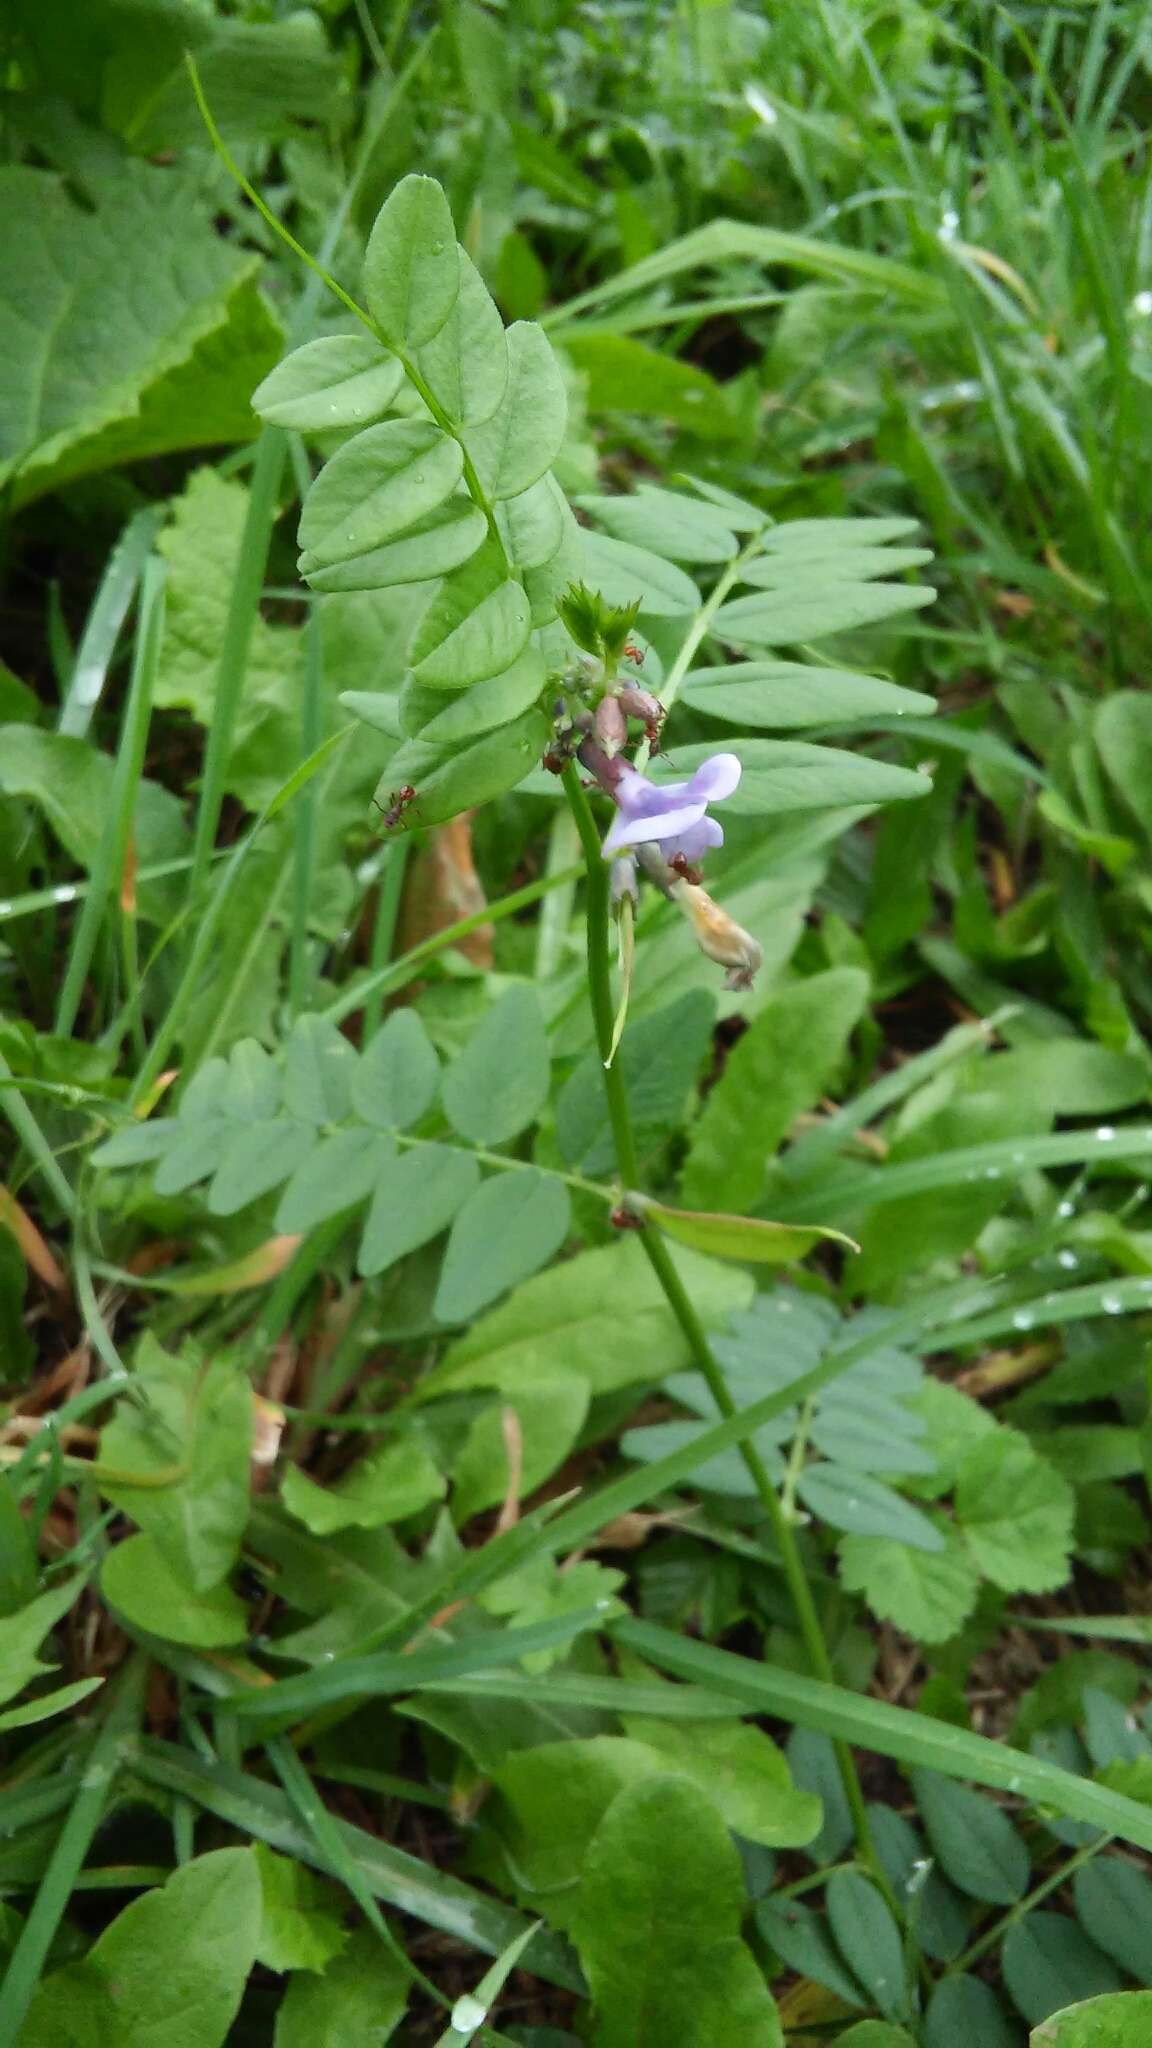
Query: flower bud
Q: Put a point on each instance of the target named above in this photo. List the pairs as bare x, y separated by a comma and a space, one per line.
719, 936
641, 704
611, 726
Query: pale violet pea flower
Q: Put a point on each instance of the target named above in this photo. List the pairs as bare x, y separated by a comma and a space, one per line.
674, 815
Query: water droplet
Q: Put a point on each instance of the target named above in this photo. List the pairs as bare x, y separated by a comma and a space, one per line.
1019, 1159
1068, 1259
66, 893
333, 405
327, 1656
357, 412
1104, 1134
1066, 1209
5, 909
468, 2014
1111, 1304
1023, 1319
991, 1173
785, 1307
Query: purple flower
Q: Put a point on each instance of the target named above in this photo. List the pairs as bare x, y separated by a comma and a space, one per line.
673, 814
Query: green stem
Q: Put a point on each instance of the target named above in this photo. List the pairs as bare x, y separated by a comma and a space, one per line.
598, 912
994, 1934
69, 1854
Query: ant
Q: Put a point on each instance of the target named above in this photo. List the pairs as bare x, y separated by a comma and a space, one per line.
682, 866
634, 653
398, 803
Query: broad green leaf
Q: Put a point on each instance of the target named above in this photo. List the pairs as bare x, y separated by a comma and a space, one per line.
624, 573
499, 1083
1016, 1513
784, 618
396, 1075
1114, 1906
964, 2010
791, 775
564, 1603
411, 265
256, 1158
514, 448
148, 333
1117, 2020
929, 1595
360, 1998
340, 1171
497, 701
341, 380
973, 1841
139, 1583
387, 1485
742, 1772
625, 375
1049, 1962
658, 1927
742, 1237
377, 486
465, 645
450, 781
319, 1070
194, 1155
22, 1633
431, 547
680, 528
869, 1940
601, 1315
172, 1966
510, 1227
784, 696
197, 1418
863, 1505
300, 1926
416, 1196
549, 1415
466, 363
202, 545
781, 1066
71, 784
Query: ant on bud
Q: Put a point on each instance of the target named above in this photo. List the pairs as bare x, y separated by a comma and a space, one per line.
554, 762
682, 866
398, 803
624, 1218
634, 653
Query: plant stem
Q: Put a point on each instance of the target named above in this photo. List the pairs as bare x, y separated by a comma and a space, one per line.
67, 1858
598, 913
1051, 1883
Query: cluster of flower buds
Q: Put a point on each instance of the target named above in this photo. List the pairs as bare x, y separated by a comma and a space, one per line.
663, 826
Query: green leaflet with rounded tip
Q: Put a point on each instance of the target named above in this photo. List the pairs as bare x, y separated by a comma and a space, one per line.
434, 545
484, 643
397, 1075
791, 570
411, 272
465, 365
533, 525
339, 380
449, 782
1121, 2019
495, 701
375, 487
137, 1581
783, 696
623, 572
508, 1229
519, 443
681, 529
780, 618
416, 1196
